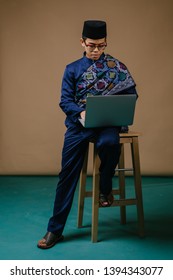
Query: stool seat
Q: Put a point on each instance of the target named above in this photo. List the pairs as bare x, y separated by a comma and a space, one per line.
130, 138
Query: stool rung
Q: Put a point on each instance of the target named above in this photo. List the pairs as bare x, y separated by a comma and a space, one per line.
124, 169
88, 193
116, 191
124, 202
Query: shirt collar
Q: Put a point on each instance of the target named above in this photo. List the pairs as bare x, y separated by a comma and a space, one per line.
91, 60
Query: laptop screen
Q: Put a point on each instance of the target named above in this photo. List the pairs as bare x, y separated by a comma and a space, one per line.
109, 110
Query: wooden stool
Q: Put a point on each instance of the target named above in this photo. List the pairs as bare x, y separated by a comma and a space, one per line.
125, 138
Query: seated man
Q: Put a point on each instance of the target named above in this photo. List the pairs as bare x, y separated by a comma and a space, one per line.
95, 73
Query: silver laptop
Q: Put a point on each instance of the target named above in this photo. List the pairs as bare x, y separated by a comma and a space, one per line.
110, 110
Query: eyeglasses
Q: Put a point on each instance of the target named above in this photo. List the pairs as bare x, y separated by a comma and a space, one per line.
92, 47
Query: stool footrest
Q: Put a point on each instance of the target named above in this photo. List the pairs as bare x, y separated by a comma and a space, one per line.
124, 202
88, 194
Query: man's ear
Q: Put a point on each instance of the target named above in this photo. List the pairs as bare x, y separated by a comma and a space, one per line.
82, 42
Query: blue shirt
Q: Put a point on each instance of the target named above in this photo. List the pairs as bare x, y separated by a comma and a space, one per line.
72, 74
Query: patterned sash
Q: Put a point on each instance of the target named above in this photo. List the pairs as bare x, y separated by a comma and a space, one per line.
106, 76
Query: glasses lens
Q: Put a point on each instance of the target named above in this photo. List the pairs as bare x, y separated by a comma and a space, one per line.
92, 47
102, 47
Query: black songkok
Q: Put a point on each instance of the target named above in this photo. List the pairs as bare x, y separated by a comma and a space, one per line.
94, 29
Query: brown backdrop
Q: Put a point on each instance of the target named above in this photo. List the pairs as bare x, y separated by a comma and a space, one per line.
39, 37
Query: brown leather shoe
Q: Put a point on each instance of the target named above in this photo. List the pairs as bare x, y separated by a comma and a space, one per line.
49, 240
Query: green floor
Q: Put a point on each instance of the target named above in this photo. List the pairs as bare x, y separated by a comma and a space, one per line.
26, 203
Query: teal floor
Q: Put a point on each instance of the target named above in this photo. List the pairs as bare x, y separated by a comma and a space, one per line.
26, 203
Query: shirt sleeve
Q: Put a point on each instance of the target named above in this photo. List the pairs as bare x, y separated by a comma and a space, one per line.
131, 90
67, 102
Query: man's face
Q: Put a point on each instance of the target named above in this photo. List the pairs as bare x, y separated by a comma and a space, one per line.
93, 48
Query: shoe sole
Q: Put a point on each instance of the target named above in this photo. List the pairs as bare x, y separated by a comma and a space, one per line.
59, 239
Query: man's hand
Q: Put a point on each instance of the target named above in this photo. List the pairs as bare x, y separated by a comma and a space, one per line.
82, 115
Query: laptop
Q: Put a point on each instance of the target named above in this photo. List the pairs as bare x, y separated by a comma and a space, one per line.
109, 110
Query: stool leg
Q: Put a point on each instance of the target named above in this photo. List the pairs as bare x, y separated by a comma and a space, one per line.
82, 187
138, 184
95, 198
121, 177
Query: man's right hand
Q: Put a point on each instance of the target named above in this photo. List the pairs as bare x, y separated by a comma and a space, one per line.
82, 115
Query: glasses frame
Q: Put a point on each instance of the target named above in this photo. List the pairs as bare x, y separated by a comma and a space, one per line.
92, 47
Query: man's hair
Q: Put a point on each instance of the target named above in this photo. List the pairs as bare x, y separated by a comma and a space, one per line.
84, 38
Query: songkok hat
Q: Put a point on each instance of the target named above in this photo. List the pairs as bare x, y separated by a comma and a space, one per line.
94, 29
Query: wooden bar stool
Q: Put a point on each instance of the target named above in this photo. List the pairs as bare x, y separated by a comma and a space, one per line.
125, 138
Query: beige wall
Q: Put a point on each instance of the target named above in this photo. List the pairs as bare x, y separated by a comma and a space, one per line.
39, 37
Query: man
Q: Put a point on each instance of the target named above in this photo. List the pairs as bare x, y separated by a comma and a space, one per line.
95, 73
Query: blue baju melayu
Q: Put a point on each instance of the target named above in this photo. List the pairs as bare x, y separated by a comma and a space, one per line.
85, 76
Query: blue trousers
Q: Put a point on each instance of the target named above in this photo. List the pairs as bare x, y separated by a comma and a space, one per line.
73, 153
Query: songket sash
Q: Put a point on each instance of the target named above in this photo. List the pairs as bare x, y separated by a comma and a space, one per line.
106, 76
